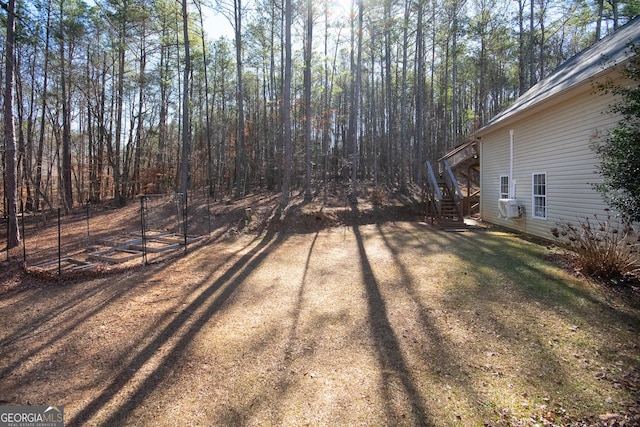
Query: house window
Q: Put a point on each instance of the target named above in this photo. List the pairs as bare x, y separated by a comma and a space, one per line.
504, 186
540, 195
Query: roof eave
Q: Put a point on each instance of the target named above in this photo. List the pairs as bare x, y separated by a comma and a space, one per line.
509, 117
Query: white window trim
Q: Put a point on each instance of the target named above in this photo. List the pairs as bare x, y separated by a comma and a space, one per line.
534, 196
504, 195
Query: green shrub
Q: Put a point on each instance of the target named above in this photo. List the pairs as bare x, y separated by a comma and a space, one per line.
603, 249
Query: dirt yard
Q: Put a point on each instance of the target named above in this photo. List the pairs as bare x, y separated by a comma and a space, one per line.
326, 317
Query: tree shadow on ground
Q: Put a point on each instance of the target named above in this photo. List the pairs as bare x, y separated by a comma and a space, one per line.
182, 327
393, 366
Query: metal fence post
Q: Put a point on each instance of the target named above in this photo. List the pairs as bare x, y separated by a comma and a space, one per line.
142, 227
185, 221
59, 247
24, 237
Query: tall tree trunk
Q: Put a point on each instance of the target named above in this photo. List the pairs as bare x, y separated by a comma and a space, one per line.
419, 92
28, 161
43, 116
325, 107
19, 112
481, 114
164, 108
403, 101
117, 179
374, 109
352, 132
388, 101
210, 180
614, 8
102, 132
445, 133
186, 133
275, 170
286, 109
432, 95
532, 63
542, 40
13, 233
307, 101
454, 131
240, 141
356, 104
91, 140
522, 71
67, 188
600, 4
142, 82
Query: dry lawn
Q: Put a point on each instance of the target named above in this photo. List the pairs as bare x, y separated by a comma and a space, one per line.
370, 323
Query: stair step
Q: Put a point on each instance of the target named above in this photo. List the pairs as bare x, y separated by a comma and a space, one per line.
454, 225
450, 220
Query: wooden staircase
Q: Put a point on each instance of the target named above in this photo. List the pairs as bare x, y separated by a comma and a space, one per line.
450, 216
444, 201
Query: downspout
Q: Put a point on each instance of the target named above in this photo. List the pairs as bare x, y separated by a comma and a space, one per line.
512, 181
512, 187
480, 209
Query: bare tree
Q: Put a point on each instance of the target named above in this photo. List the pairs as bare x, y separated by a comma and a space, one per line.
532, 63
614, 11
240, 141
390, 119
307, 101
419, 91
13, 233
66, 31
234, 14
117, 178
186, 132
286, 109
45, 80
355, 105
206, 104
403, 101
600, 4
521, 49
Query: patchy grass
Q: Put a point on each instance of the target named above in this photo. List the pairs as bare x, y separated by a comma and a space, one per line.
363, 324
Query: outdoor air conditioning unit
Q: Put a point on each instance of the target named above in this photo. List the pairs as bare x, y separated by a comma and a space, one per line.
509, 208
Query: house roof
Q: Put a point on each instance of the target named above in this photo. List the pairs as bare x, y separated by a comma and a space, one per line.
597, 58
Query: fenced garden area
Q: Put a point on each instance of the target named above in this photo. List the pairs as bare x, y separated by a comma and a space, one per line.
98, 238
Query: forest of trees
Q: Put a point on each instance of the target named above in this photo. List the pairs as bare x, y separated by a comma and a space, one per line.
109, 99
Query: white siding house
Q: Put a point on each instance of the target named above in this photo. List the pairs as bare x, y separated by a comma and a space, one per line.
537, 166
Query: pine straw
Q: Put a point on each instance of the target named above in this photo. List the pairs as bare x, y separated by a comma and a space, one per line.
375, 324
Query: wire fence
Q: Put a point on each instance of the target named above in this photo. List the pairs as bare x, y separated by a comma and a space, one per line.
100, 237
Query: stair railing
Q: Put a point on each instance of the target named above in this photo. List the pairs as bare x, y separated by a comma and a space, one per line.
452, 185
433, 194
461, 153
